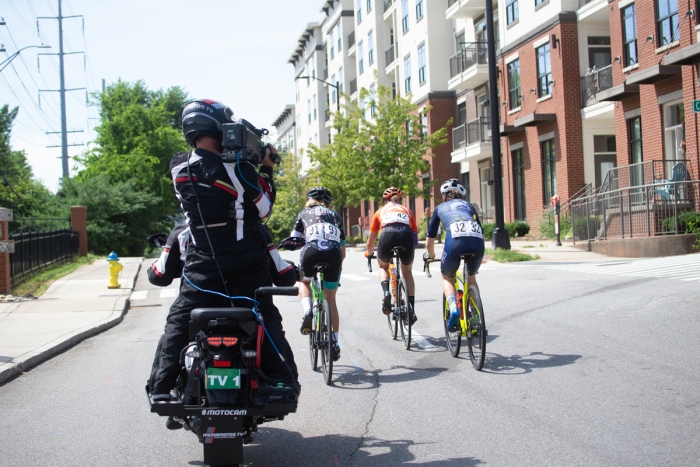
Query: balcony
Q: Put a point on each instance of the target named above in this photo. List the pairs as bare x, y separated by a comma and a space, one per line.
469, 67
464, 8
387, 4
353, 86
595, 80
593, 11
351, 39
390, 54
471, 141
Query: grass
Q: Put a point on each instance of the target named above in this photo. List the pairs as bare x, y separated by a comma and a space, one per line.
529, 246
508, 256
38, 284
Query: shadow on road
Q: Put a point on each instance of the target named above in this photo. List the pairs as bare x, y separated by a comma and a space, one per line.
522, 364
349, 377
279, 448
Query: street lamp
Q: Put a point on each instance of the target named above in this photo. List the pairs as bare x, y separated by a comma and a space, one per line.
7, 61
336, 86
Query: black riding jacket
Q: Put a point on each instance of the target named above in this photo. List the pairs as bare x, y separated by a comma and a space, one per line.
231, 196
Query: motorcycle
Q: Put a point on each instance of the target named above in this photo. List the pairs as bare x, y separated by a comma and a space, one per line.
222, 396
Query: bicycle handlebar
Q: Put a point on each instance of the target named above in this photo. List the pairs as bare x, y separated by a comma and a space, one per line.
426, 266
291, 291
369, 262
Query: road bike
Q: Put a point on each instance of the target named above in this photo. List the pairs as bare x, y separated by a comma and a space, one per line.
401, 315
471, 316
321, 338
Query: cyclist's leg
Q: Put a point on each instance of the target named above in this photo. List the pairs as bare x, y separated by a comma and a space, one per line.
476, 246
331, 278
305, 289
448, 268
406, 259
384, 253
329, 295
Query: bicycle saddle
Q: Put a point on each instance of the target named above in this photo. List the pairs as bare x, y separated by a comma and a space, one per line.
204, 315
321, 266
398, 248
466, 255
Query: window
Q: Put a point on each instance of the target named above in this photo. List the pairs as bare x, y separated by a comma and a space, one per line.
485, 185
544, 71
404, 15
421, 64
312, 65
372, 98
667, 20
370, 46
419, 10
549, 170
332, 44
540, 2
339, 34
361, 56
519, 184
359, 11
333, 92
424, 124
426, 190
674, 131
308, 106
315, 107
634, 130
599, 55
467, 184
512, 13
369, 6
514, 98
604, 156
407, 74
340, 79
629, 35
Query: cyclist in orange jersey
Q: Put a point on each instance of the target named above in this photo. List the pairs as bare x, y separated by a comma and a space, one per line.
398, 228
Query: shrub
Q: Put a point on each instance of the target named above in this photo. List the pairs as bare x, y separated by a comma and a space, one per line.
688, 222
488, 230
547, 225
518, 229
581, 224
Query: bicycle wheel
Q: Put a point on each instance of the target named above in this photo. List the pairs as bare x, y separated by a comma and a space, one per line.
453, 339
476, 338
404, 313
393, 322
326, 344
313, 338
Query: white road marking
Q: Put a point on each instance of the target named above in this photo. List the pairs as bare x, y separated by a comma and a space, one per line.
139, 295
684, 267
353, 277
165, 293
422, 342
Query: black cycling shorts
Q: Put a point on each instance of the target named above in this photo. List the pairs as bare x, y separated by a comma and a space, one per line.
394, 235
310, 257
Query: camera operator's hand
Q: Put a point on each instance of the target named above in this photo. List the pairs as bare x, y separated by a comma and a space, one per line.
270, 156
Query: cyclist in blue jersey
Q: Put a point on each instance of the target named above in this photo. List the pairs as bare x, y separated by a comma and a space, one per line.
464, 235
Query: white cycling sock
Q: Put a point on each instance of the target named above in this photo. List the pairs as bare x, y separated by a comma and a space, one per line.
306, 304
452, 302
335, 337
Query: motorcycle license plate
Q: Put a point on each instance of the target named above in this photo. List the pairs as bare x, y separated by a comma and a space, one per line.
223, 378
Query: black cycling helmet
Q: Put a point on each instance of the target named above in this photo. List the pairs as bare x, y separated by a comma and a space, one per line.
452, 184
204, 117
321, 194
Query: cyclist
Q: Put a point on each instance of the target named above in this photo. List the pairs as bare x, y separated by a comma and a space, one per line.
323, 229
464, 235
398, 228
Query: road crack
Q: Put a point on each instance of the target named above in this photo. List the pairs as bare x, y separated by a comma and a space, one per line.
375, 402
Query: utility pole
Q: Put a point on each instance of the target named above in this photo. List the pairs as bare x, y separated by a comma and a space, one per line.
500, 238
62, 90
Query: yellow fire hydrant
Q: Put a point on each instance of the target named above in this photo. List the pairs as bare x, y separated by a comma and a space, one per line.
115, 268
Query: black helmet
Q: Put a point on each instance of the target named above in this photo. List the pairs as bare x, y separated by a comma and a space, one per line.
452, 184
321, 194
204, 118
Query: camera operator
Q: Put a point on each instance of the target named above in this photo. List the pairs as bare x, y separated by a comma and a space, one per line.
223, 200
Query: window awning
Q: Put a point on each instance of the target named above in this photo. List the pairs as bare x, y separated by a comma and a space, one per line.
689, 55
534, 119
507, 130
654, 74
618, 93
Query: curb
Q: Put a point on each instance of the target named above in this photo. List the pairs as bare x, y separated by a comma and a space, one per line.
46, 352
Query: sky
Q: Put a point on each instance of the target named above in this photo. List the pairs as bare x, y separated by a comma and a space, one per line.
234, 51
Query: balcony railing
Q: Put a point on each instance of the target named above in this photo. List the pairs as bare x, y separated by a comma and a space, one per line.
351, 39
582, 3
387, 4
328, 115
596, 80
474, 53
325, 73
390, 55
451, 2
476, 131
353, 86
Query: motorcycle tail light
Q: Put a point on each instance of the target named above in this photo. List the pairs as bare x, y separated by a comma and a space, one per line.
214, 341
222, 363
230, 341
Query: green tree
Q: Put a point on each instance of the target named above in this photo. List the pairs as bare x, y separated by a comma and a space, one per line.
119, 214
18, 190
138, 135
380, 142
291, 197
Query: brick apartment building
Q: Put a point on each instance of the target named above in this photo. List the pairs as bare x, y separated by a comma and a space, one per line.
585, 86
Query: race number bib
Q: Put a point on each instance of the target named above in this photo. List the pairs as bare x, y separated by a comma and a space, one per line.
468, 228
323, 231
395, 217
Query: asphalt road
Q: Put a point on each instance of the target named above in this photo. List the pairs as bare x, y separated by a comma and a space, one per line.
581, 369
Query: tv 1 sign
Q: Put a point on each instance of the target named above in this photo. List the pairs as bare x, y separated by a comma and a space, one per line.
696, 106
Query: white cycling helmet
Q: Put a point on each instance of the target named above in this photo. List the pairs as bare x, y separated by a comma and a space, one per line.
452, 184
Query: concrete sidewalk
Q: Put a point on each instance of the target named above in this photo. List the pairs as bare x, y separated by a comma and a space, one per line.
548, 252
74, 308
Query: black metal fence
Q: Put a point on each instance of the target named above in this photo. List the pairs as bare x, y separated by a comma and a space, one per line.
36, 250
